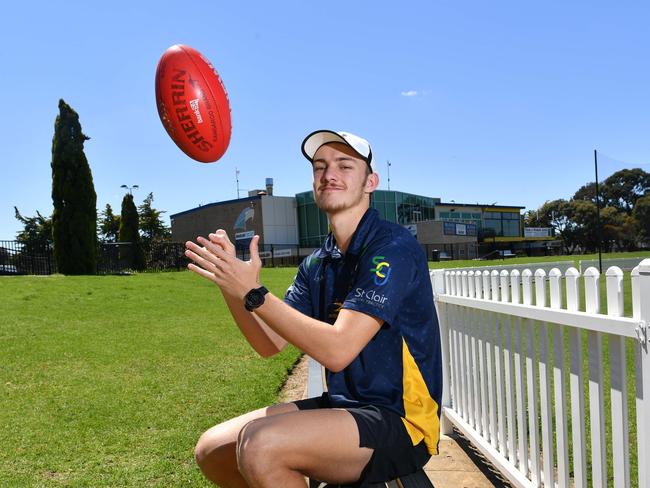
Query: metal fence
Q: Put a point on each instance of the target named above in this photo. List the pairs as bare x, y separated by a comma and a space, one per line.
17, 258
115, 257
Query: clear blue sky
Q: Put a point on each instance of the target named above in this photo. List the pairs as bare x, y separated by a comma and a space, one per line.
470, 101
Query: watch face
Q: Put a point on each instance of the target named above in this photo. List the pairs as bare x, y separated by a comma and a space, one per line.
255, 299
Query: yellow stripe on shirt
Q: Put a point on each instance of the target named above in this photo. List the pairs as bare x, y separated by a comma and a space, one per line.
421, 411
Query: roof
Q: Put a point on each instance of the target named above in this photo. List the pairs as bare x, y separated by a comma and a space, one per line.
478, 205
216, 204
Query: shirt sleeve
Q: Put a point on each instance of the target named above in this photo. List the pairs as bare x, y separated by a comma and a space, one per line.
385, 277
298, 295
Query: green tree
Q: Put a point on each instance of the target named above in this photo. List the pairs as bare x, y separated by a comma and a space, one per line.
614, 228
642, 218
152, 227
109, 225
129, 233
558, 214
74, 220
588, 192
37, 232
625, 187
533, 218
584, 218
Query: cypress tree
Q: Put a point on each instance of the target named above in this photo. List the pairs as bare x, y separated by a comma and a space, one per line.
109, 225
129, 232
74, 220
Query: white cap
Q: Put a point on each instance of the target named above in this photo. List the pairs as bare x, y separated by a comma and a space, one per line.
316, 139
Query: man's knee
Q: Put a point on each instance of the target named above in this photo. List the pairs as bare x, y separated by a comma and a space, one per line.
255, 448
204, 446
215, 452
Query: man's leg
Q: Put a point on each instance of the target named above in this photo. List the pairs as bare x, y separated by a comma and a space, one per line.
281, 450
215, 451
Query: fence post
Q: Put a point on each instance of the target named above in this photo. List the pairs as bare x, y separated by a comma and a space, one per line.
618, 388
438, 282
643, 372
596, 383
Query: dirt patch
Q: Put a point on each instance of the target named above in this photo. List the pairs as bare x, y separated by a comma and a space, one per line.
295, 386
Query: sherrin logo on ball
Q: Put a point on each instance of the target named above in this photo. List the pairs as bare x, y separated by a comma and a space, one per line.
193, 103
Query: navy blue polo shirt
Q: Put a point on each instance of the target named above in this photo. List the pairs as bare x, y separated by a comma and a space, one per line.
384, 273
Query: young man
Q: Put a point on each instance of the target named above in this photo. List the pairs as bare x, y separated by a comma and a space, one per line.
361, 305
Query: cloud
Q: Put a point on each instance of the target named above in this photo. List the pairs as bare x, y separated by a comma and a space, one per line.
410, 93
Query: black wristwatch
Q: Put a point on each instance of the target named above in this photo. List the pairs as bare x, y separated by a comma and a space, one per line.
255, 298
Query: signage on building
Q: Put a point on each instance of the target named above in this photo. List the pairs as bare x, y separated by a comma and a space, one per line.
537, 231
457, 229
282, 253
244, 235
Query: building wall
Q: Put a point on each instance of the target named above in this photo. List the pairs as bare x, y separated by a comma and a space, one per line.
431, 236
505, 221
280, 220
225, 215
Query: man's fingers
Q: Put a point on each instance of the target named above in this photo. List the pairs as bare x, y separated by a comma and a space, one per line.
206, 249
204, 263
202, 272
214, 249
254, 250
220, 237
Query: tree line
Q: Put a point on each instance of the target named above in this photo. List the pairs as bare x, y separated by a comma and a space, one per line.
74, 229
624, 204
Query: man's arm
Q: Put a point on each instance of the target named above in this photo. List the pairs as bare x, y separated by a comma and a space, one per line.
334, 346
261, 338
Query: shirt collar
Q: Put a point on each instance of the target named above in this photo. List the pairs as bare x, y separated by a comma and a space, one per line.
361, 235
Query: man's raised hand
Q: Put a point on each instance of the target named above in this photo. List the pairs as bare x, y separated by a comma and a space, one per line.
220, 238
217, 262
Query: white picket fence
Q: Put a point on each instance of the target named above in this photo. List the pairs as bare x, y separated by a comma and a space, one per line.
513, 392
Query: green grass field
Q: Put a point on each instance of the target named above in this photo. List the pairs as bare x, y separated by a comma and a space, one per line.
109, 381
470, 263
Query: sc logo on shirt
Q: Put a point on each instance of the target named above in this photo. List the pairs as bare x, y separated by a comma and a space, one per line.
382, 270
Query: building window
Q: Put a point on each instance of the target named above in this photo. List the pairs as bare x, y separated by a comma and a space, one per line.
493, 224
511, 228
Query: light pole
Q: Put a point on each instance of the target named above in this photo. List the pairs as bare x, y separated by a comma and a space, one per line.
388, 170
134, 187
599, 230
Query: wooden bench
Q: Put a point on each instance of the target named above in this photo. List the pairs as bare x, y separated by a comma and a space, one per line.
315, 388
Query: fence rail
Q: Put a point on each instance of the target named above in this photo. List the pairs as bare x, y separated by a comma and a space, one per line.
17, 258
530, 381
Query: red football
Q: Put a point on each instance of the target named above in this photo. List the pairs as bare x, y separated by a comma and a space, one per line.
193, 103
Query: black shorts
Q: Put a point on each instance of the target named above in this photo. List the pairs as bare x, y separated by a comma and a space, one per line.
383, 431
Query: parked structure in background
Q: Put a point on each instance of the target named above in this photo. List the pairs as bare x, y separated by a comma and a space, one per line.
271, 217
445, 230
